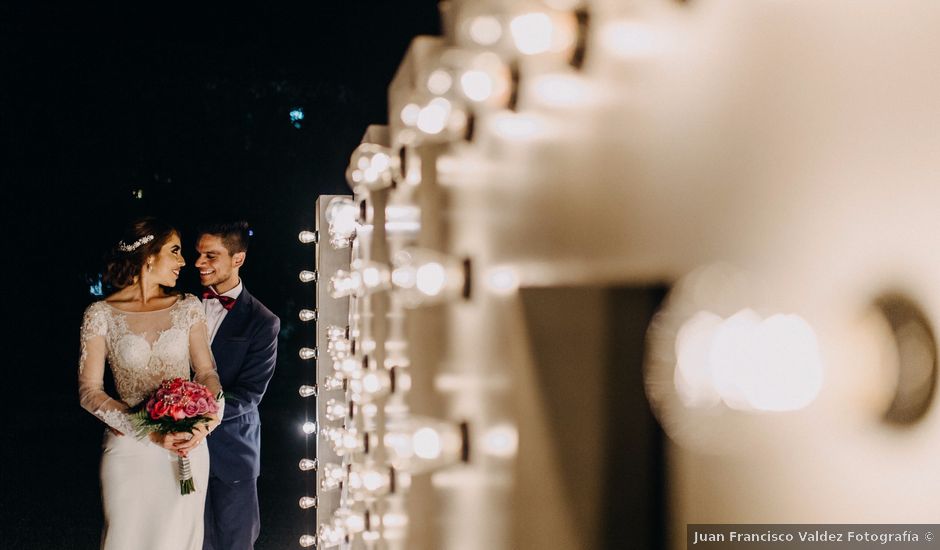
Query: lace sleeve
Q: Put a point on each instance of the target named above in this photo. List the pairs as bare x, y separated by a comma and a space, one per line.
94, 350
200, 354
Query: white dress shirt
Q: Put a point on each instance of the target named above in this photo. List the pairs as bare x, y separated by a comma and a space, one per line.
215, 313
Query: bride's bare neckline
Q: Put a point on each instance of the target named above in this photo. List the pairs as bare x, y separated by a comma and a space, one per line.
176, 301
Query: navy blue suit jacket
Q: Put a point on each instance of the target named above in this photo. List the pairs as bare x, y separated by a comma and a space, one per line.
245, 350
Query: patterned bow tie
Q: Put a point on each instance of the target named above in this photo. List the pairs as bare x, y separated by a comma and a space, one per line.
227, 301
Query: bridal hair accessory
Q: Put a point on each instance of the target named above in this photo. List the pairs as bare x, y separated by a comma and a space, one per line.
134, 245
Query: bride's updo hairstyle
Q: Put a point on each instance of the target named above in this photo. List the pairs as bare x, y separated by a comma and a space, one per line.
141, 239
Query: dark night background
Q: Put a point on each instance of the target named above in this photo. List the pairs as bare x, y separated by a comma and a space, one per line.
191, 105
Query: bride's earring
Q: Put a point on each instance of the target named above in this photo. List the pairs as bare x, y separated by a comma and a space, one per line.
149, 268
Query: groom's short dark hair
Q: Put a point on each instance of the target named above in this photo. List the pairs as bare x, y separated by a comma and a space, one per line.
234, 234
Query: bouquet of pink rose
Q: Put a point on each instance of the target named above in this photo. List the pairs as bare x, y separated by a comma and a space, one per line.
178, 405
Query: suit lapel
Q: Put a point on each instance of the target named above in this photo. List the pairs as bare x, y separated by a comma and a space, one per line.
233, 319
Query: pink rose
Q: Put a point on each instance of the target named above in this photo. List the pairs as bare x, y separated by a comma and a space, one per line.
191, 409
202, 405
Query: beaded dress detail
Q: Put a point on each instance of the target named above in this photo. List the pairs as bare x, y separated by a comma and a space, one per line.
142, 349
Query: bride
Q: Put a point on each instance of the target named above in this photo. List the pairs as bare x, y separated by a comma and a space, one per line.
146, 332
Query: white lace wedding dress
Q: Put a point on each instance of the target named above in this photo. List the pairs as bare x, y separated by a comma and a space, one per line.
143, 507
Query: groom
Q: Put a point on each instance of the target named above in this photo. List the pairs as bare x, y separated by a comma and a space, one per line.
243, 334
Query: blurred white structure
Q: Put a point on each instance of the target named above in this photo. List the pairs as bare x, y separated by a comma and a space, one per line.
609, 144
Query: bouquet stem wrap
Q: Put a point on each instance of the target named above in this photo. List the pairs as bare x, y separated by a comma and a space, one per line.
186, 476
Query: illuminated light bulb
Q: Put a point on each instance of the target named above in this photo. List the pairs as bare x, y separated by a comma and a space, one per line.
374, 276
433, 117
375, 382
402, 381
367, 482
427, 444
307, 541
367, 384
307, 315
308, 276
308, 237
788, 374
329, 536
372, 481
430, 278
502, 280
335, 410
500, 441
371, 165
348, 366
417, 444
748, 363
483, 78
562, 90
339, 348
532, 33
485, 30
409, 114
309, 427
307, 464
307, 353
330, 433
307, 391
333, 475
629, 39
729, 358
371, 382
345, 283
381, 161
439, 82
342, 215
332, 383
693, 374
344, 440
351, 521
308, 502
476, 85
422, 276
334, 332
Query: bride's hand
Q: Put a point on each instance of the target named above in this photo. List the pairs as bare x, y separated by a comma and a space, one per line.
170, 441
200, 431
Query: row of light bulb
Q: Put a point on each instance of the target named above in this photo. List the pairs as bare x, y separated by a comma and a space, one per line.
413, 445
479, 74
346, 523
